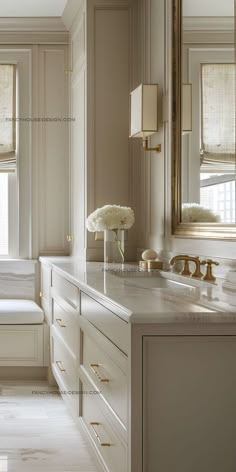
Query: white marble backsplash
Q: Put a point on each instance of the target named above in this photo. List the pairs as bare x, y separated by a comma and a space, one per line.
17, 279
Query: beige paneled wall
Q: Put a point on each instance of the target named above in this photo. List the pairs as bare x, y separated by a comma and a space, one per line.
150, 191
53, 148
101, 154
108, 108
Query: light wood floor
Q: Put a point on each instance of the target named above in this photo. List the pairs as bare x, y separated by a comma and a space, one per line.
37, 433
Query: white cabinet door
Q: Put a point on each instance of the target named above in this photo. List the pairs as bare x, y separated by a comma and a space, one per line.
189, 403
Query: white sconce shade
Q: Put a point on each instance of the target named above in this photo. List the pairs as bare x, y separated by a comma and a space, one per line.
186, 108
143, 111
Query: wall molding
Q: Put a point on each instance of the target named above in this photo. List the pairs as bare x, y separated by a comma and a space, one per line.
32, 24
33, 31
204, 23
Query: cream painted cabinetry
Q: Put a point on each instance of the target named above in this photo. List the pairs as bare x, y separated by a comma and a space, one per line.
45, 291
150, 397
89, 345
65, 338
189, 403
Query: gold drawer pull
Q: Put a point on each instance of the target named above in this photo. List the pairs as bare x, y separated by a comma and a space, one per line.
59, 321
93, 424
59, 364
42, 294
93, 368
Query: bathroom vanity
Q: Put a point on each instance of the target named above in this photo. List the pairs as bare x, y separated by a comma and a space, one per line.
146, 364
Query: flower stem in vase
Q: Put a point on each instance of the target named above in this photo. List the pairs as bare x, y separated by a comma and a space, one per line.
119, 246
114, 251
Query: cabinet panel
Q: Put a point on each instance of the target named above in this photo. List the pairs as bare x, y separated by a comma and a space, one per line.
109, 378
106, 321
64, 372
21, 345
189, 403
65, 289
109, 447
66, 325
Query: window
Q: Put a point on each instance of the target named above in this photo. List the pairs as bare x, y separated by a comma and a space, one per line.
7, 155
218, 114
3, 214
217, 153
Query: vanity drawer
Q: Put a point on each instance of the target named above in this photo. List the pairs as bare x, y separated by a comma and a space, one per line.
64, 372
66, 323
107, 375
110, 448
65, 289
111, 325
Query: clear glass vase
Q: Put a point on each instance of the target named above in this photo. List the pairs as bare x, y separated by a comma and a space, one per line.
114, 246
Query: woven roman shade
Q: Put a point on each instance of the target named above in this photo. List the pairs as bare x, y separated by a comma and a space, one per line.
7, 117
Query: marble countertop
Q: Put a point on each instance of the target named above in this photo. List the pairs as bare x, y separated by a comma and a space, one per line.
139, 300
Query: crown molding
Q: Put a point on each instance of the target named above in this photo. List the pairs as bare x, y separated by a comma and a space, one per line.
213, 23
32, 25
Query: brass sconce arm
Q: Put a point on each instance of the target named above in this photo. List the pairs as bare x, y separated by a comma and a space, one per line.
147, 148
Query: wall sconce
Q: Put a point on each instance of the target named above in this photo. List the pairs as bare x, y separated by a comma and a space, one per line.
186, 114
144, 114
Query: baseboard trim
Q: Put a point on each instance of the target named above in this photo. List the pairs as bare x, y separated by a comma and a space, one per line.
23, 373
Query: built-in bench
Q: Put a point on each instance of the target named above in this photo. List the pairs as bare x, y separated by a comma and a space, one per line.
23, 334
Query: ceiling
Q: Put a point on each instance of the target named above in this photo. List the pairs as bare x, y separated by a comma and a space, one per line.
208, 8
28, 8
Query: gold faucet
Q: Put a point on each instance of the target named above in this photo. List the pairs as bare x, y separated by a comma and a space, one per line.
208, 275
186, 259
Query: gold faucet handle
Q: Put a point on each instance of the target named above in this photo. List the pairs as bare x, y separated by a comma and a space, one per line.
209, 262
208, 275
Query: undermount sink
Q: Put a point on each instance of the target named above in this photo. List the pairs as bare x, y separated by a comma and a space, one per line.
153, 280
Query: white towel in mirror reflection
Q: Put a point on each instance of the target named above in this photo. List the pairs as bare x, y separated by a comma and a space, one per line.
195, 213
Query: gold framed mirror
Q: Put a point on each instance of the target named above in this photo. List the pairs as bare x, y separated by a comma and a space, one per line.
203, 119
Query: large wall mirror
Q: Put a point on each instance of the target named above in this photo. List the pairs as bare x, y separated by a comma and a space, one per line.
203, 125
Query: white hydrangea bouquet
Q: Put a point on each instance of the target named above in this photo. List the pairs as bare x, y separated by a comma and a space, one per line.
112, 218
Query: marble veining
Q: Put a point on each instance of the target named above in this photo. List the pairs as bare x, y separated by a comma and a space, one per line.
141, 302
37, 434
17, 280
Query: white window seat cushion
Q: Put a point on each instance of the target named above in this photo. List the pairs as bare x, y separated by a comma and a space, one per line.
20, 312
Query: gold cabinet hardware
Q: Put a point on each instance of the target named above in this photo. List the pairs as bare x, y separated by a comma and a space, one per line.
208, 275
60, 322
93, 368
93, 424
59, 364
42, 294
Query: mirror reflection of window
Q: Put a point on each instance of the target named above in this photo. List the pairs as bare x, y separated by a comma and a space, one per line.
217, 153
208, 152
3, 463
